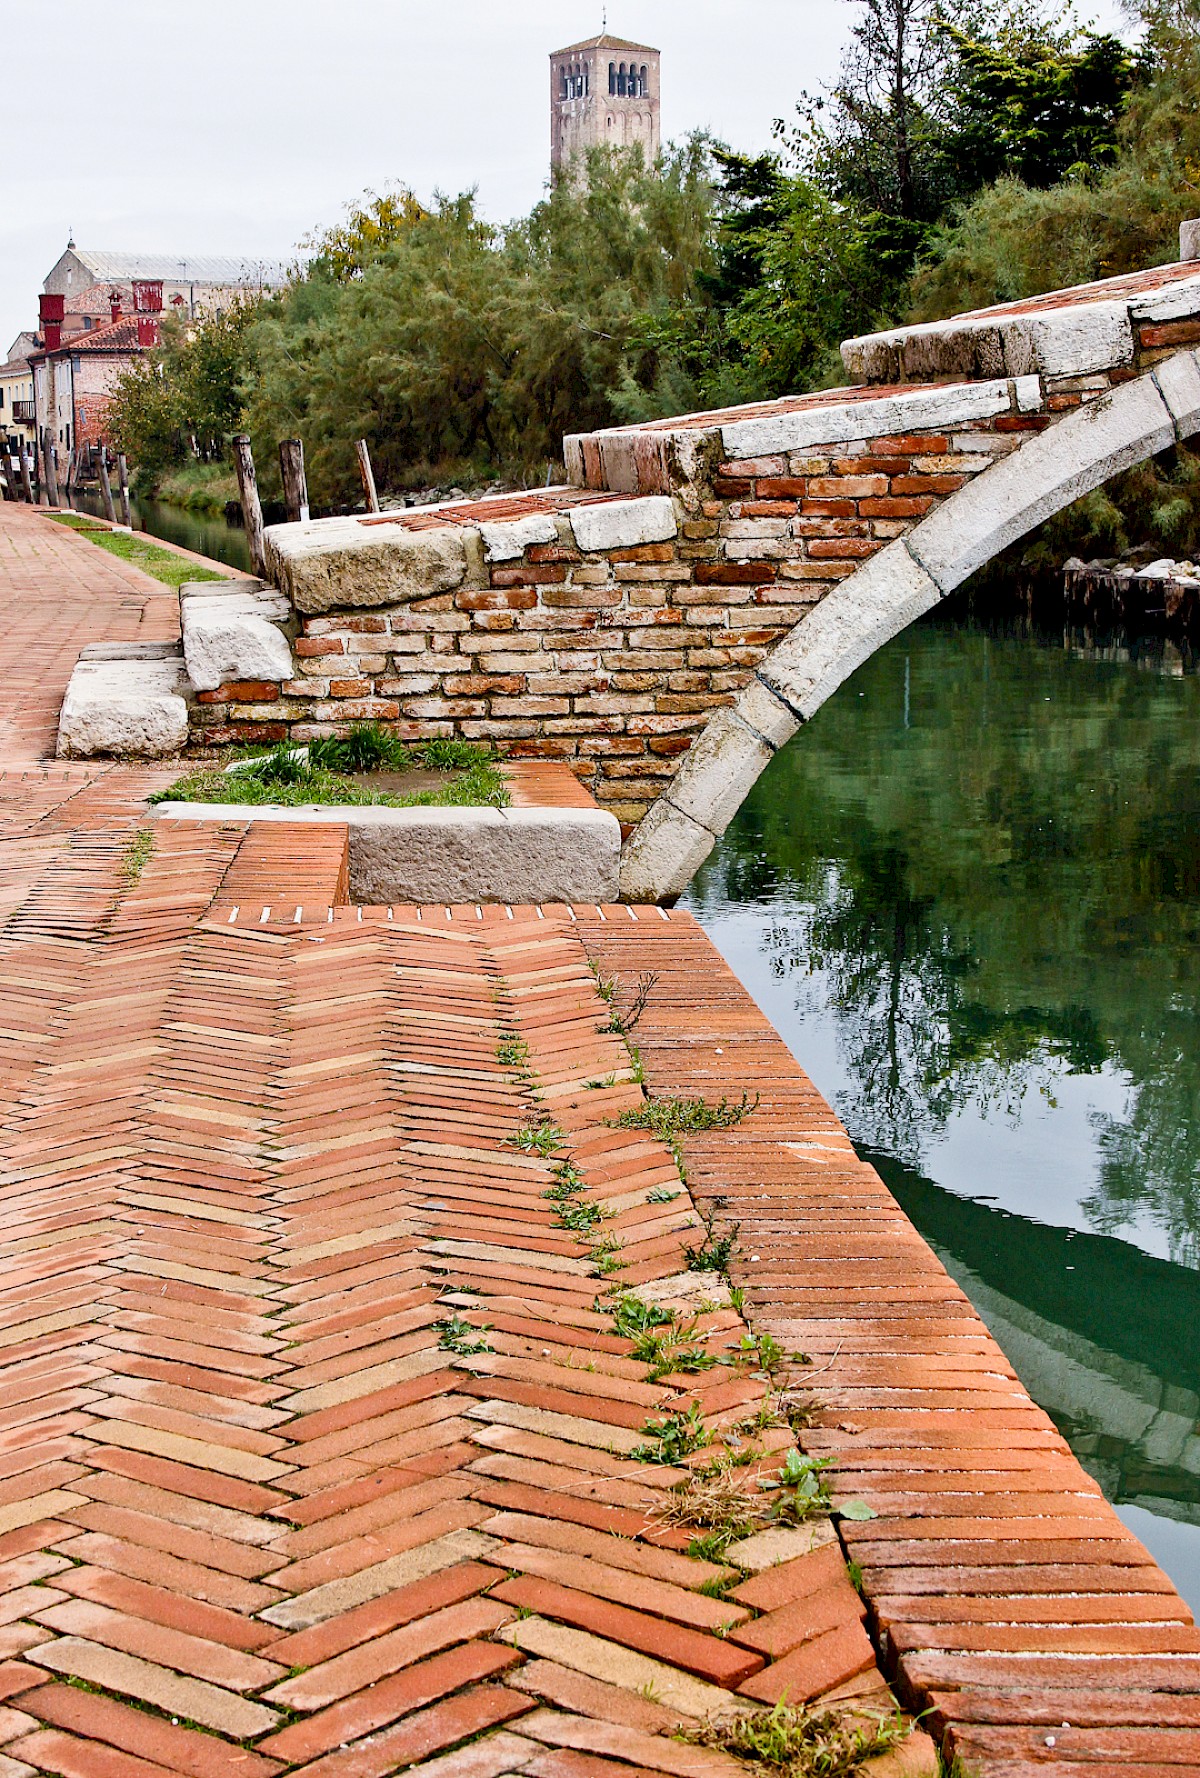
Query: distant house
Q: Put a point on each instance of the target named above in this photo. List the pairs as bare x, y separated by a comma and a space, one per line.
197, 283
100, 311
16, 396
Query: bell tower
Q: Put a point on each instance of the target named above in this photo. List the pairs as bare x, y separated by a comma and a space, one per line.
605, 92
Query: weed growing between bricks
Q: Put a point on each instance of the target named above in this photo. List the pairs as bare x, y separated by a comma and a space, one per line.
137, 855
800, 1744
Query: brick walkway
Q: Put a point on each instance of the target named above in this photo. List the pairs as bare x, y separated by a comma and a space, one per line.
316, 1427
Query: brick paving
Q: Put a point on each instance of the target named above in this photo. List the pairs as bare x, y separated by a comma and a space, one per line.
317, 1432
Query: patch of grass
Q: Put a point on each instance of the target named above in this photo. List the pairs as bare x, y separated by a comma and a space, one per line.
579, 1216
673, 1437
800, 1744
455, 1334
138, 852
131, 546
542, 1139
512, 1052
661, 1196
716, 1503
715, 1251
680, 1117
295, 776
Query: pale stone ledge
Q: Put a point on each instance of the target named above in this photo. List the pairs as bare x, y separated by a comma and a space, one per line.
133, 702
508, 539
623, 524
837, 422
234, 631
338, 564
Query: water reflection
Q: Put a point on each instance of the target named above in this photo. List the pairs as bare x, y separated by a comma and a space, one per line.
969, 895
208, 534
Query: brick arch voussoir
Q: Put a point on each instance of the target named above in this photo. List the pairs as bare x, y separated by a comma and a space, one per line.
890, 591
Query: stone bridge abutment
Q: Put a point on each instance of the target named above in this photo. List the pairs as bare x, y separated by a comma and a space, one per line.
668, 619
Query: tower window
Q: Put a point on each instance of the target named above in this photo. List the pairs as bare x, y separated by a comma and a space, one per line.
642, 82
612, 79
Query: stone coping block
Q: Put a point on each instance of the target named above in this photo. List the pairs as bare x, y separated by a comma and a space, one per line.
507, 540
344, 564
439, 855
234, 632
135, 704
623, 524
807, 429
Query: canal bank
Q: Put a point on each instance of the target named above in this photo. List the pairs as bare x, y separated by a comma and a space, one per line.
968, 896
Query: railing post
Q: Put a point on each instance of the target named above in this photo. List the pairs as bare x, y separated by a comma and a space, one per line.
110, 511
123, 484
295, 487
252, 518
49, 477
367, 474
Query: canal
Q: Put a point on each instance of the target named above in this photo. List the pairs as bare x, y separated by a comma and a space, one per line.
209, 534
968, 896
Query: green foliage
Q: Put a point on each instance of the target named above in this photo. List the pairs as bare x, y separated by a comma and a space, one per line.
138, 852
184, 399
678, 1117
715, 1251
344, 251
673, 1438
540, 1139
456, 1334
799, 1744
802, 1489
366, 747
296, 776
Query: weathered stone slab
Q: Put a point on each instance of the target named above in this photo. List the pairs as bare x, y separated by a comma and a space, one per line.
335, 564
508, 539
663, 855
1178, 380
457, 854
712, 783
235, 633
1174, 302
806, 429
125, 706
622, 524
1074, 340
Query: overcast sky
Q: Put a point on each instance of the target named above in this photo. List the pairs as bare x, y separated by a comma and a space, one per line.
236, 126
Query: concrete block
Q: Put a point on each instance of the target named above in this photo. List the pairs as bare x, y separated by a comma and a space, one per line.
132, 706
663, 855
835, 422
459, 854
508, 540
336, 564
234, 635
1055, 467
622, 524
718, 770
1178, 380
862, 613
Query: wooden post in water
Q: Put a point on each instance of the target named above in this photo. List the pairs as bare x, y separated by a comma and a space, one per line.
123, 484
367, 474
72, 459
23, 459
6, 468
252, 518
110, 511
295, 487
49, 477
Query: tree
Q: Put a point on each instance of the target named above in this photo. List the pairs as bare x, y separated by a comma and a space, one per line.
184, 398
343, 251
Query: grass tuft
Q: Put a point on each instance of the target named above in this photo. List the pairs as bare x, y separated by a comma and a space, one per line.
800, 1744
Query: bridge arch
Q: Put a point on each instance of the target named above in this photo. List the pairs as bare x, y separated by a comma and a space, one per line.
891, 590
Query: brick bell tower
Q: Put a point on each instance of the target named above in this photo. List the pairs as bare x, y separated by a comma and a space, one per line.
604, 92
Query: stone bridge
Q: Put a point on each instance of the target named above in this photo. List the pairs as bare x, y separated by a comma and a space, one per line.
667, 620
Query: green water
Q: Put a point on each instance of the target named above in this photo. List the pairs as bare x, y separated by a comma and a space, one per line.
968, 896
208, 534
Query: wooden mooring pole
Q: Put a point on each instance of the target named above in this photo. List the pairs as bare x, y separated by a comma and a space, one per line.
367, 474
243, 462
26, 478
110, 511
10, 486
49, 477
295, 487
123, 484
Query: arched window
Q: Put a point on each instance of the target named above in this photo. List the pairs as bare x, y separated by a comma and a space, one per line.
612, 79
622, 88
642, 82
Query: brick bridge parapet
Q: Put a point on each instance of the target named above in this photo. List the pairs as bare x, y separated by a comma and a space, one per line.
660, 596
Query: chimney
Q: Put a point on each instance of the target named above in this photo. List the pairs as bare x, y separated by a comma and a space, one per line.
147, 326
148, 296
114, 305
50, 315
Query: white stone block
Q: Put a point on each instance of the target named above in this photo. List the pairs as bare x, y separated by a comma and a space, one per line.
1073, 341
234, 635
1178, 301
763, 711
622, 524
121, 707
1179, 380
1055, 467
717, 772
921, 409
1028, 391
507, 540
885, 595
662, 856
1189, 240
334, 564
